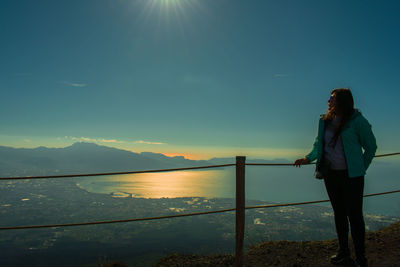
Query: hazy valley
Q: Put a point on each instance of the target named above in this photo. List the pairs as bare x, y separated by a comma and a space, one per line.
52, 201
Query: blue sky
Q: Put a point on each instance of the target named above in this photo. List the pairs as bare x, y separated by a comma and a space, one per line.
200, 78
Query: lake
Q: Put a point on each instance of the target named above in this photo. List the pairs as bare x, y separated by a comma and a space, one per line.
269, 183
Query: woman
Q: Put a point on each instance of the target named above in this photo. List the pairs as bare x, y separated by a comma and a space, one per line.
344, 148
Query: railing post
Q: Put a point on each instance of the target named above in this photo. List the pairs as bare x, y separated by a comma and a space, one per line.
240, 179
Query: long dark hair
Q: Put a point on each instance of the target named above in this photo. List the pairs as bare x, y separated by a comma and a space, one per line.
344, 108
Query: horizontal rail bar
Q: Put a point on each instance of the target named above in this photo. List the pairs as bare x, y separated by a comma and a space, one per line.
275, 164
114, 221
114, 173
162, 170
386, 155
287, 204
180, 215
315, 201
291, 164
383, 193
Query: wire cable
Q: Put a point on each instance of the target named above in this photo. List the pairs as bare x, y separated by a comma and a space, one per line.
162, 170
114, 221
113, 173
291, 164
178, 215
315, 201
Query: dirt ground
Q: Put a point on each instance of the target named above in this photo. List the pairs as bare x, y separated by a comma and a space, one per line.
382, 249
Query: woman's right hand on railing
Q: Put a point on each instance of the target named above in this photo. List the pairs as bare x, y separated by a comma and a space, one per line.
302, 161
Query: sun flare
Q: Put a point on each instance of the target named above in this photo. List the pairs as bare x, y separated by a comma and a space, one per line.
170, 9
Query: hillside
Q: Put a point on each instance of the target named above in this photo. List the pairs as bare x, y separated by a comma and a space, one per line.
81, 157
383, 249
84, 157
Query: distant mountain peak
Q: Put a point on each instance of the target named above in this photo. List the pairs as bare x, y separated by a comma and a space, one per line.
153, 154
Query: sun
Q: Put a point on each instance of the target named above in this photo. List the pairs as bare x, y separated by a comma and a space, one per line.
170, 9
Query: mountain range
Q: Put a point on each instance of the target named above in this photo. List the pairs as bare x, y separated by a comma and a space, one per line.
83, 157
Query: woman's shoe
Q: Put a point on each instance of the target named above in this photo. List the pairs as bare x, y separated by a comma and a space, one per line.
341, 258
362, 261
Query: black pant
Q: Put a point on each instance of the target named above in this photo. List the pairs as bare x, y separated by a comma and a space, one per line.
346, 196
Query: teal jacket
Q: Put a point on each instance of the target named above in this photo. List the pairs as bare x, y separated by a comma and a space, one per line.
358, 142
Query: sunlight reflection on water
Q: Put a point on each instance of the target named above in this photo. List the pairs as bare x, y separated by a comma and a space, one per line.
210, 183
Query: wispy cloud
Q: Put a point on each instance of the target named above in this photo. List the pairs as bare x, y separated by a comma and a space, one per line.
110, 141
75, 84
93, 140
149, 143
87, 139
281, 75
81, 139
